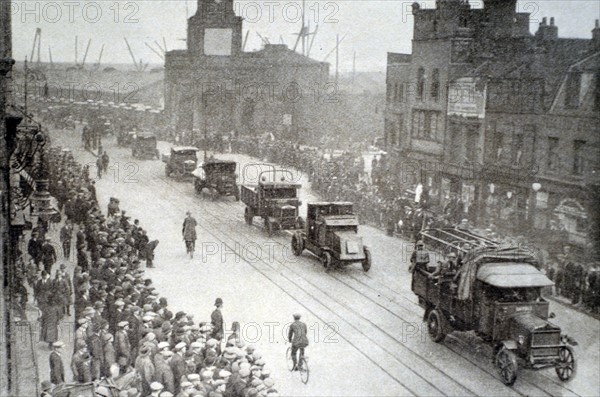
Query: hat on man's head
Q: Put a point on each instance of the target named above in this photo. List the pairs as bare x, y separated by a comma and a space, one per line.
58, 344
218, 301
156, 386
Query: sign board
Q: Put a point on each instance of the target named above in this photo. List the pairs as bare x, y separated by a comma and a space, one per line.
467, 97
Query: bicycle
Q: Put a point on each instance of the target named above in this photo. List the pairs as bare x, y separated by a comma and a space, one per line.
302, 363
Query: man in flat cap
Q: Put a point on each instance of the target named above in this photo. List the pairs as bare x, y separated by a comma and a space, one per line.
178, 364
297, 337
145, 368
122, 345
80, 363
162, 370
57, 367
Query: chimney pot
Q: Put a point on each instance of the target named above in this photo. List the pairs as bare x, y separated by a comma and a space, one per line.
544, 21
597, 23
552, 21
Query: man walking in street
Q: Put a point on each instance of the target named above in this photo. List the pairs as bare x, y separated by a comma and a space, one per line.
297, 337
105, 161
189, 233
57, 367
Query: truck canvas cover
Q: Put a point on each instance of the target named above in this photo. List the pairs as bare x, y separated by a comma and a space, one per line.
500, 255
512, 275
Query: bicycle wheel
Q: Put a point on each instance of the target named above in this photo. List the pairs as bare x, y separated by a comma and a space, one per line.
304, 371
288, 359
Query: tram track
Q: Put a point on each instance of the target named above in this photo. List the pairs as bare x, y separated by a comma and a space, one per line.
428, 362
309, 288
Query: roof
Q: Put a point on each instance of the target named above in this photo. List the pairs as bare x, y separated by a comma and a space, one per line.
340, 220
277, 185
512, 275
145, 135
184, 148
327, 203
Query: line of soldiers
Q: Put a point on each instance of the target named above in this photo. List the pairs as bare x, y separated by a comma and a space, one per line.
126, 331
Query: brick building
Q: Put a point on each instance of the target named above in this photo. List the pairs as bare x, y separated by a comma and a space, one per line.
507, 122
215, 86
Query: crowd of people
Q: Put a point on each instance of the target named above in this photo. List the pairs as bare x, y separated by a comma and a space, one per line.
380, 202
126, 336
575, 282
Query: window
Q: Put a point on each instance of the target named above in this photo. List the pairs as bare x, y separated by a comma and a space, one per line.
578, 157
401, 92
498, 144
553, 160
517, 149
435, 85
425, 124
420, 83
472, 142
572, 94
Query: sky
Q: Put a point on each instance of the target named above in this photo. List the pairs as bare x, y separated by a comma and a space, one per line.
367, 28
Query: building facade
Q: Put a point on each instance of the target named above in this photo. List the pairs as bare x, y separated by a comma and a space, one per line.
504, 123
214, 86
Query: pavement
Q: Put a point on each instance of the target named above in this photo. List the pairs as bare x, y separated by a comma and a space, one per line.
366, 332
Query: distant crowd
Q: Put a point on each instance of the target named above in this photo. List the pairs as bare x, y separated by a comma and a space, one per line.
128, 339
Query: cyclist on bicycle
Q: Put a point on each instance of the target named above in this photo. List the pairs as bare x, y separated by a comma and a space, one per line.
189, 233
297, 337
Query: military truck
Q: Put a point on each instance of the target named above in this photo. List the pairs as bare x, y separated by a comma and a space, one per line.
497, 294
274, 199
219, 177
181, 162
331, 234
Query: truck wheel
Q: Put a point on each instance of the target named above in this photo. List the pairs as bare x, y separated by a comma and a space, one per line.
565, 366
248, 215
366, 263
326, 260
506, 361
434, 326
297, 244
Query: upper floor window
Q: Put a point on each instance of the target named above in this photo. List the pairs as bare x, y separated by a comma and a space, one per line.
435, 85
572, 90
553, 155
518, 144
578, 157
420, 83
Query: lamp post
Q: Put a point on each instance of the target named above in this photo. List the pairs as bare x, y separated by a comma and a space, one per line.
536, 188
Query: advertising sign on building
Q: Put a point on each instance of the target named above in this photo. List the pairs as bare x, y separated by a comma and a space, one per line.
466, 97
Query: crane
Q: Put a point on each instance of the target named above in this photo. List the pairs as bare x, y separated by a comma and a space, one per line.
161, 56
135, 64
245, 40
97, 66
37, 40
86, 52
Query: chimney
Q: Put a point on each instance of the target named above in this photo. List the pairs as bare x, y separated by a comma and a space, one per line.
547, 32
596, 37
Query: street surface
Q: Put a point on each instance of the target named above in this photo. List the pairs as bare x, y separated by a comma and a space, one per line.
365, 329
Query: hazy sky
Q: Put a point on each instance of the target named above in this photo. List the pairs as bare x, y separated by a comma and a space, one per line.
371, 28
